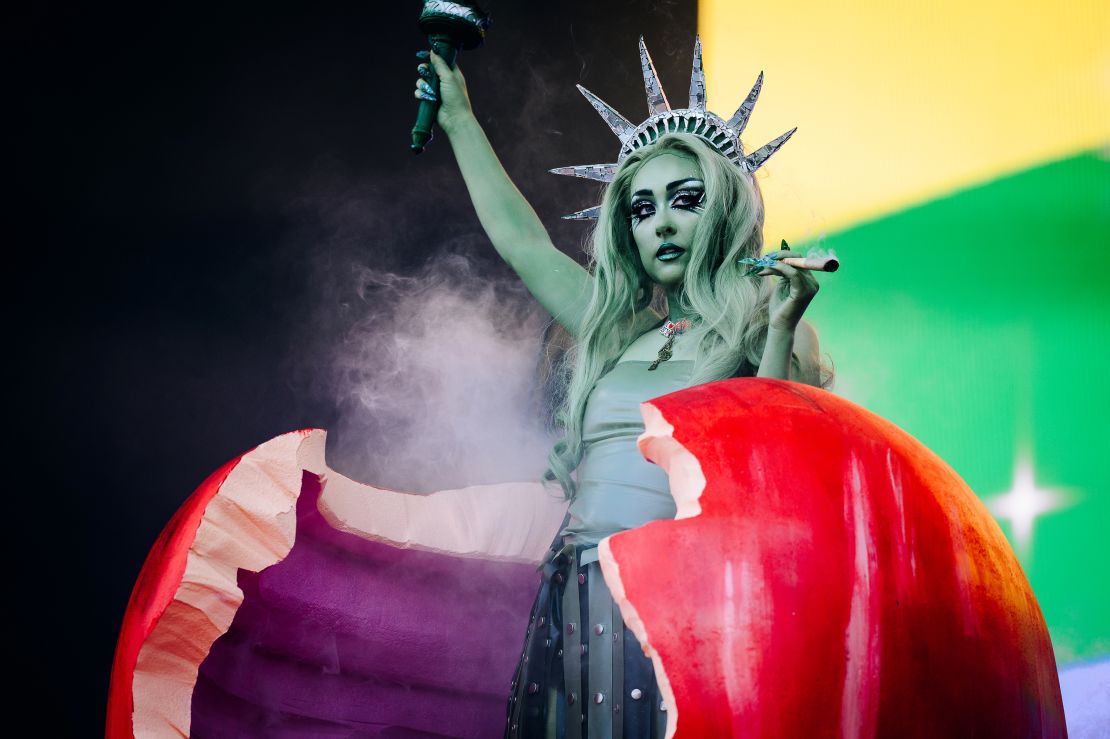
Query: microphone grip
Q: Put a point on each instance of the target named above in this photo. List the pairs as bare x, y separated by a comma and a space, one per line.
448, 48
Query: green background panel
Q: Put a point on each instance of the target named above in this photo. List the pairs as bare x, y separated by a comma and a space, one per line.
980, 323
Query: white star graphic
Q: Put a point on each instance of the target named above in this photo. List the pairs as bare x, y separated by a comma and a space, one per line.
1024, 502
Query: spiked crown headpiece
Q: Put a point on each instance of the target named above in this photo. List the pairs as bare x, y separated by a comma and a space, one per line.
694, 119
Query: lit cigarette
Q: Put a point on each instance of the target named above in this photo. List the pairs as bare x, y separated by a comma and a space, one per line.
818, 264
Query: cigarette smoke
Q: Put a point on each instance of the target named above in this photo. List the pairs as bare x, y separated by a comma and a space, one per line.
818, 252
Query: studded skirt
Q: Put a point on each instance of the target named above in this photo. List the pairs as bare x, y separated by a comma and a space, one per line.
582, 673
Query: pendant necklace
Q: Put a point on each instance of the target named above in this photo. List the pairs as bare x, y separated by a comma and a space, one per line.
670, 329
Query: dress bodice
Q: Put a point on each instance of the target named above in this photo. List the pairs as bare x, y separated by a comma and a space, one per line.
617, 488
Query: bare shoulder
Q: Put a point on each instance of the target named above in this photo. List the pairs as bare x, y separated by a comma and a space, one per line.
646, 346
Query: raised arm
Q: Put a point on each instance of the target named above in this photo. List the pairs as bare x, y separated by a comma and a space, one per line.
558, 282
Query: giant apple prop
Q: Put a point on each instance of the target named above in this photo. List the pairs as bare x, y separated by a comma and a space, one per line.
856, 588
826, 576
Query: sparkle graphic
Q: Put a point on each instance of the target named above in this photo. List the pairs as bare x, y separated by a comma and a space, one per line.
1024, 502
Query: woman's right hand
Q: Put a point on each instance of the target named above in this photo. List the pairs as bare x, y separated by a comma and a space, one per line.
454, 102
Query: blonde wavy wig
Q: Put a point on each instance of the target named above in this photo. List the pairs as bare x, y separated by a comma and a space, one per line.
730, 309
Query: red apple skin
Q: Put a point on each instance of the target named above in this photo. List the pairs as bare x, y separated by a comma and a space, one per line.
154, 590
840, 579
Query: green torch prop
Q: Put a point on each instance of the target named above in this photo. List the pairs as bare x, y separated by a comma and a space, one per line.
449, 26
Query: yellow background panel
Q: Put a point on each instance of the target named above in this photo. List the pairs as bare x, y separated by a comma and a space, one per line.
897, 103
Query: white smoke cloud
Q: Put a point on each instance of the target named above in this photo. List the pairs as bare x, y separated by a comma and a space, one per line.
435, 378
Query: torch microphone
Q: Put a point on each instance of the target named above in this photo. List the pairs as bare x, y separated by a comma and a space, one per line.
450, 26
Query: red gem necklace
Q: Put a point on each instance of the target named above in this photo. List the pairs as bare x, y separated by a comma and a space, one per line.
670, 329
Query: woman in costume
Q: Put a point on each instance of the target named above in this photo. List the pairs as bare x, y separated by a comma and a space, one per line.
850, 587
666, 303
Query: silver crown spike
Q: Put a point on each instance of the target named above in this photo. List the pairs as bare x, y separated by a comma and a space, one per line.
600, 172
739, 120
697, 80
589, 214
656, 98
756, 159
695, 119
617, 122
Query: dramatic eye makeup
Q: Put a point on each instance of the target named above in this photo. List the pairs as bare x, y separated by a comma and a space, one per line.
690, 196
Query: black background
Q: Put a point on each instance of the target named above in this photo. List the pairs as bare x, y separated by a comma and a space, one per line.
180, 172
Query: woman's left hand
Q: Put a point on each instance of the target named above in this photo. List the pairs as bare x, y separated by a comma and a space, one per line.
793, 293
